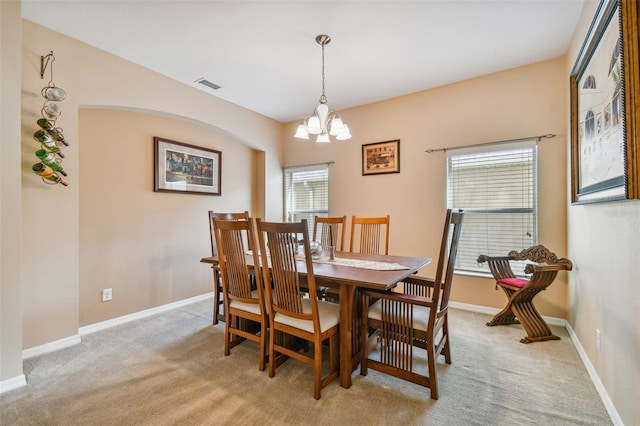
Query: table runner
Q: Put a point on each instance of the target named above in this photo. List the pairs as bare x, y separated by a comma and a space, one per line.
355, 263
364, 264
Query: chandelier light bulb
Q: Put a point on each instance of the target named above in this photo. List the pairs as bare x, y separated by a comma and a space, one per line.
313, 125
345, 134
302, 133
323, 138
337, 126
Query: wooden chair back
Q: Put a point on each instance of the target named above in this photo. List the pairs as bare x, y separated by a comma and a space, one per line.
444, 269
279, 243
447, 260
327, 228
223, 216
242, 287
372, 234
237, 277
217, 283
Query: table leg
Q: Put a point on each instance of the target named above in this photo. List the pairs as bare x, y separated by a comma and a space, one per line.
216, 295
346, 333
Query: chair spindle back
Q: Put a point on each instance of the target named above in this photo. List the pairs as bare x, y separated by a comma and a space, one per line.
327, 228
280, 241
373, 234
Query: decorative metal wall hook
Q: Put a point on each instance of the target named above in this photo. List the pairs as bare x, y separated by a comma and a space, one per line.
44, 62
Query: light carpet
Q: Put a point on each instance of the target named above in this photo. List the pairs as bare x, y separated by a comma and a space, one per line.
169, 369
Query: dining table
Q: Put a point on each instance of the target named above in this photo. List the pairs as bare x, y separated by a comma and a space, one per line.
347, 273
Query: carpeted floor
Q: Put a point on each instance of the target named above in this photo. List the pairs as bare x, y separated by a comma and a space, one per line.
169, 369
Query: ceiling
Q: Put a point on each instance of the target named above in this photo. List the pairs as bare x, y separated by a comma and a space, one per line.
264, 56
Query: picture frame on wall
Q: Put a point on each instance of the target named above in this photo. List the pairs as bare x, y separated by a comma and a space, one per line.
381, 157
604, 107
180, 167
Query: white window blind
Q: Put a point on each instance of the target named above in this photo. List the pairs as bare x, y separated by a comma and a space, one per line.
306, 193
496, 186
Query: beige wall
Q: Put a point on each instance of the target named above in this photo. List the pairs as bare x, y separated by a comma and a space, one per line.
604, 286
10, 196
518, 103
60, 288
146, 245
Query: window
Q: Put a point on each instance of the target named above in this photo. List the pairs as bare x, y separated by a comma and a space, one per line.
497, 189
306, 193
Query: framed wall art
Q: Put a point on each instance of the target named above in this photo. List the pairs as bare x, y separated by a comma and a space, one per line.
381, 157
180, 167
604, 107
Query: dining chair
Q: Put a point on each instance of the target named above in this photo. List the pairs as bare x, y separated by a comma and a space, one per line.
415, 314
520, 292
241, 300
292, 310
371, 233
326, 229
217, 283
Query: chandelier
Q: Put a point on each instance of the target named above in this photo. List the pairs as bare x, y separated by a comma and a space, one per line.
323, 121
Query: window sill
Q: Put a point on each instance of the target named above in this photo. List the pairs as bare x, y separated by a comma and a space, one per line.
474, 274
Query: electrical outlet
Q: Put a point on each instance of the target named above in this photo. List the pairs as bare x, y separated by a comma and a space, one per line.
598, 340
107, 294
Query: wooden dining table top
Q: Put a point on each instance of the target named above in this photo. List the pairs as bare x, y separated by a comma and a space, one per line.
328, 273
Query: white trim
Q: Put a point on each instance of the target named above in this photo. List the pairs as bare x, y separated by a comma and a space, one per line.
604, 396
560, 322
13, 383
608, 404
51, 347
476, 274
88, 329
74, 340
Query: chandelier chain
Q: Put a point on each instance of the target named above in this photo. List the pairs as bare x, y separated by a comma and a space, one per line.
323, 98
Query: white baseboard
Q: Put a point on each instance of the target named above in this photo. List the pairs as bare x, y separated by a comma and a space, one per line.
142, 314
50, 347
74, 340
604, 396
18, 381
560, 322
13, 383
608, 404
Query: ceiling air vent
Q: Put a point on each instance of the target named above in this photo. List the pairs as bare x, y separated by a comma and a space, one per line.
207, 83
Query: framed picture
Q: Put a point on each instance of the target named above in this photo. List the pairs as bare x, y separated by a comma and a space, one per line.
604, 107
179, 167
381, 157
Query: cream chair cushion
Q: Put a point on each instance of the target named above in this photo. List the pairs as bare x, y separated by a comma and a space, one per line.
253, 308
328, 312
420, 315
